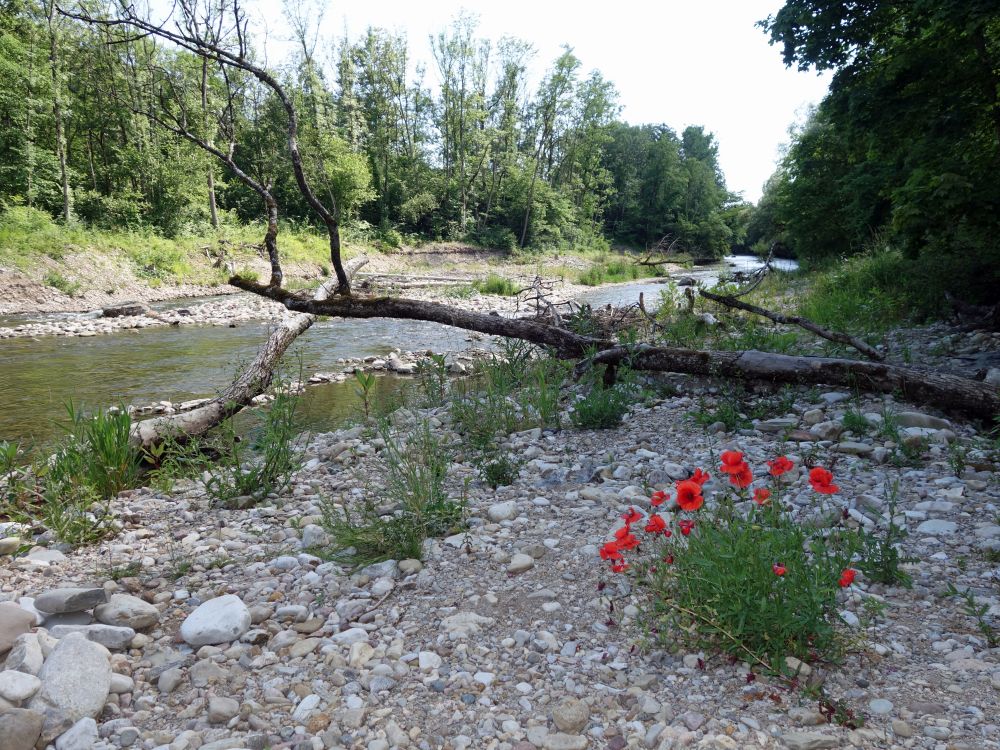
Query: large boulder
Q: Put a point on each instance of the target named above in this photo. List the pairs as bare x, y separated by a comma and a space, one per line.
14, 621
127, 611
19, 729
59, 601
218, 620
76, 680
126, 309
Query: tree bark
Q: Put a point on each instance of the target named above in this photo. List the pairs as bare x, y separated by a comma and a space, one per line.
250, 383
944, 391
836, 336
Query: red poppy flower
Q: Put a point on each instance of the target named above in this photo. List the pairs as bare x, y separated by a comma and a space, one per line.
659, 498
669, 559
742, 478
685, 525
610, 551
779, 569
822, 481
761, 495
629, 541
632, 516
699, 477
847, 578
732, 461
656, 524
623, 532
619, 567
779, 466
689, 495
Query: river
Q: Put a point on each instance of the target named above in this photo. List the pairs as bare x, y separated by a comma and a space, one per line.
39, 376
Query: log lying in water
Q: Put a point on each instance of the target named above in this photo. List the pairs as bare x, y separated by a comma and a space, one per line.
948, 392
250, 383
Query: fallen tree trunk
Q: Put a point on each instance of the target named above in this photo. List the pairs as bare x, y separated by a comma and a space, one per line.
948, 392
837, 336
250, 383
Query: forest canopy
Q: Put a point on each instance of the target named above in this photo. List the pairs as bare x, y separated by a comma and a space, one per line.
903, 153
464, 147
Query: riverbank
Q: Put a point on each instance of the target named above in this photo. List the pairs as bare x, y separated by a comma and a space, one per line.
500, 637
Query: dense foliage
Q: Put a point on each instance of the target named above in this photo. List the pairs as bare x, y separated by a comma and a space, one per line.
904, 151
465, 150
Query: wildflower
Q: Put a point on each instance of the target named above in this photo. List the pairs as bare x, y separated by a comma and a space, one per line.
741, 478
669, 559
689, 495
732, 462
619, 567
762, 495
699, 477
779, 466
847, 578
822, 481
685, 525
632, 516
779, 569
656, 524
659, 498
628, 541
610, 551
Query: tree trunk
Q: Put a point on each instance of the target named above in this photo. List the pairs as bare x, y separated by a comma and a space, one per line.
945, 391
253, 381
57, 114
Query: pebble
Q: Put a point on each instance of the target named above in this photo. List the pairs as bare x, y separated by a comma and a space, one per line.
219, 620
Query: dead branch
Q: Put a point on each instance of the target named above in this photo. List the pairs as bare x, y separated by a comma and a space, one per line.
837, 336
945, 391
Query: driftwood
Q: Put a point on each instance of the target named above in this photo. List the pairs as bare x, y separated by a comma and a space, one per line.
945, 391
253, 381
837, 336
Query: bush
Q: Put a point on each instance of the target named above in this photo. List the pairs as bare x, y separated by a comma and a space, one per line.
58, 281
495, 284
604, 407
740, 578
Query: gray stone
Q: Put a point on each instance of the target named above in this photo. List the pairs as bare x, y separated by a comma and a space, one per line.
809, 741
937, 527
880, 706
81, 736
827, 430
125, 610
19, 729
504, 511
806, 717
571, 715
409, 567
59, 601
692, 720
937, 733
917, 419
221, 710
853, 448
560, 741
170, 680
306, 707
349, 636
17, 687
9, 545
14, 622
218, 620
109, 636
76, 680
26, 654
519, 563
121, 683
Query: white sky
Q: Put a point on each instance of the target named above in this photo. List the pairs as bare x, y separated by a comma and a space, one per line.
690, 62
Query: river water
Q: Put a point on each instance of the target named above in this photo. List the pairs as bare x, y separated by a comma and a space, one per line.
38, 377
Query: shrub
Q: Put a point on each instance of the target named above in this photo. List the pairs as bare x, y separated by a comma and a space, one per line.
495, 284
604, 406
56, 280
741, 577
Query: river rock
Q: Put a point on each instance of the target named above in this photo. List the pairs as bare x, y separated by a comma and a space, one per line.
218, 620
502, 511
917, 419
81, 736
14, 621
937, 527
520, 562
76, 680
26, 654
9, 545
571, 715
109, 636
59, 601
127, 611
809, 741
221, 710
125, 309
17, 687
19, 729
